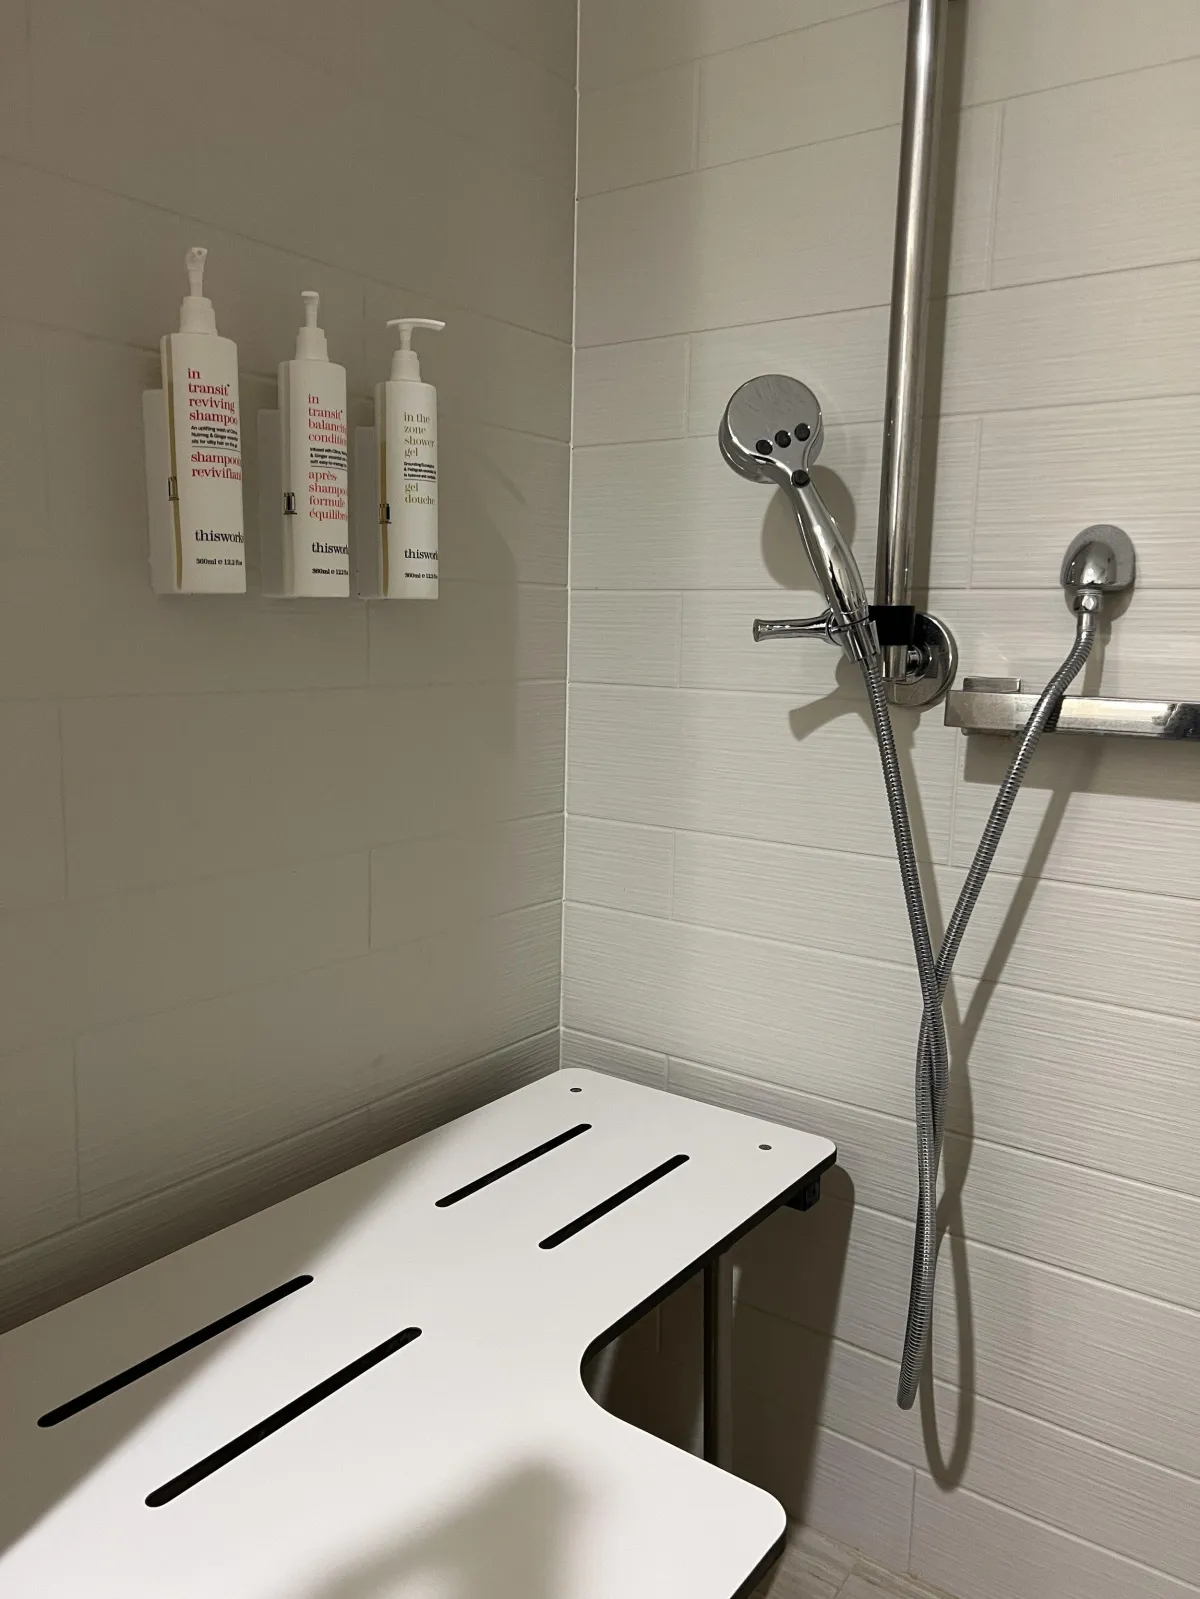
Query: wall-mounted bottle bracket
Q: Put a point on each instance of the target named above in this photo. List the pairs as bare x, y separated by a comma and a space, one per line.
1001, 705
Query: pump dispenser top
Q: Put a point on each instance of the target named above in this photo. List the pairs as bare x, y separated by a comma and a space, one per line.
406, 366
196, 314
311, 343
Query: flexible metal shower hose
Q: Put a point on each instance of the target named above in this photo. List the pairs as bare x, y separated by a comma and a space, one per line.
933, 1072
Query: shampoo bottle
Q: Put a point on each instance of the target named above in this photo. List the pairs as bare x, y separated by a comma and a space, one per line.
204, 439
406, 442
312, 426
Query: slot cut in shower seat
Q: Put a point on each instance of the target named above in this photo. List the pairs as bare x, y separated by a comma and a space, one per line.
372, 1390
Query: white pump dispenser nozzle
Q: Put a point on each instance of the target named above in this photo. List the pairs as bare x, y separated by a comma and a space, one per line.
196, 314
406, 366
311, 343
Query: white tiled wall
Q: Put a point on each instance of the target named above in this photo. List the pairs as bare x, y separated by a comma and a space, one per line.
274, 878
734, 927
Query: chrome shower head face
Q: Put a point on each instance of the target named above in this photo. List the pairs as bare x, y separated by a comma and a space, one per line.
772, 431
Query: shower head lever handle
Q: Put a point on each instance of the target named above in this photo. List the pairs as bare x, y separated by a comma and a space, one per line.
819, 627
857, 639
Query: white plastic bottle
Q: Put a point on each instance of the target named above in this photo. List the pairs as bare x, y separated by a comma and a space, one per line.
406, 442
205, 549
312, 427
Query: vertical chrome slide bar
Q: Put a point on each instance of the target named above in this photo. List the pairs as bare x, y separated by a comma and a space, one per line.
911, 272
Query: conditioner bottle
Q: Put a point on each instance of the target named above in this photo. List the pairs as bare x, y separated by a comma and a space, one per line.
312, 428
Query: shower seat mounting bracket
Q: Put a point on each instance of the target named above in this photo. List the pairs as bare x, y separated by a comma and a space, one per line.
807, 1195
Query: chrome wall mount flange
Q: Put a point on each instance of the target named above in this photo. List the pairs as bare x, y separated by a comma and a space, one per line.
932, 665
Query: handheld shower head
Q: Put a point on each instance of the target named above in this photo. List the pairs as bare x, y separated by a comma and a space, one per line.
772, 432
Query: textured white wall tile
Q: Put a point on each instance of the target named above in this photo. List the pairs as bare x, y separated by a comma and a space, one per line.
1128, 335
524, 276
846, 76
39, 974
745, 1004
424, 885
856, 1495
979, 1551
492, 371
164, 1096
750, 764
1110, 813
1091, 176
618, 1060
626, 868
1110, 1228
503, 506
150, 951
1138, 1509
148, 784
543, 29
123, 47
22, 450
842, 357
672, 515
38, 1183
477, 82
151, 795
824, 898
1115, 1230
672, 256
857, 1272
1030, 1327
92, 394
1035, 1064
300, 28
1018, 46
637, 132
626, 392
473, 633
621, 39
1066, 483
717, 247
58, 230
32, 862
1019, 934
625, 638
1148, 647
14, 78
86, 962
73, 626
